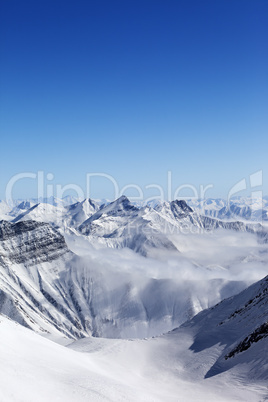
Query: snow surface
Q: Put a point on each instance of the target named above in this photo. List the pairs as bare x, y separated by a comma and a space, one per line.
158, 369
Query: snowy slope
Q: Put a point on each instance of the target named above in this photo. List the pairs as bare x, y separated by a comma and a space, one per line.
43, 212
21, 208
235, 332
79, 212
223, 346
36, 369
5, 209
70, 216
158, 369
32, 257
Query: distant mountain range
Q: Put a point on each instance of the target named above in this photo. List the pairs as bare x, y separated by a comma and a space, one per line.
118, 224
238, 208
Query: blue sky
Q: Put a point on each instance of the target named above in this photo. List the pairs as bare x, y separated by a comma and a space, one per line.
134, 89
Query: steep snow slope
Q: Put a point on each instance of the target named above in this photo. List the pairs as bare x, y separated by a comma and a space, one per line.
5, 209
32, 257
65, 217
21, 208
43, 213
31, 242
234, 332
79, 212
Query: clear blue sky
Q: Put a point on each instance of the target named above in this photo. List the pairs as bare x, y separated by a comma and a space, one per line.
134, 89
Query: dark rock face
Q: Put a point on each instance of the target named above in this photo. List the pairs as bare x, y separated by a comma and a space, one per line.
259, 333
29, 290
24, 205
8, 230
235, 325
180, 208
31, 242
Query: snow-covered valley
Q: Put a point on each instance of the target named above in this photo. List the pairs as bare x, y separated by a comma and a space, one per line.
188, 364
112, 294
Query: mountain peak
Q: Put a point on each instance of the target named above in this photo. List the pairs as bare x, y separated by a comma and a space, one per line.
182, 204
120, 204
121, 199
180, 209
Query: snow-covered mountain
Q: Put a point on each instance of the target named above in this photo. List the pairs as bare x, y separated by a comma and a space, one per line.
238, 208
48, 288
79, 212
121, 224
184, 217
66, 217
234, 333
42, 212
79, 271
5, 209
229, 340
145, 230
32, 255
